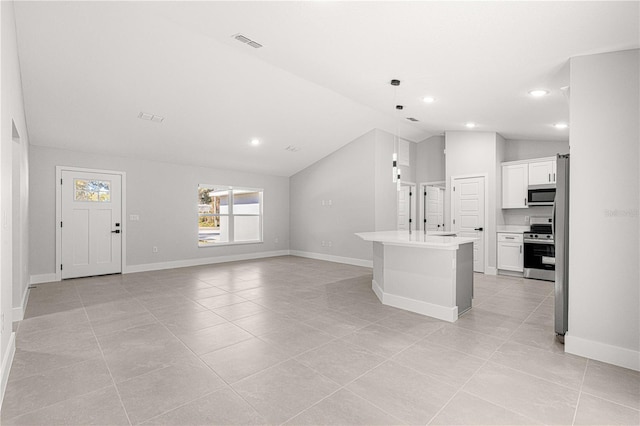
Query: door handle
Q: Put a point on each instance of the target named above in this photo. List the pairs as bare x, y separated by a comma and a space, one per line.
117, 231
478, 229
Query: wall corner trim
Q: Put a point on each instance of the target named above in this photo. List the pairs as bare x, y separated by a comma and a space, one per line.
331, 258
7, 360
622, 357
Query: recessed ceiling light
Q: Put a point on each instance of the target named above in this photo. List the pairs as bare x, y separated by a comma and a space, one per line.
428, 99
561, 126
538, 93
470, 125
255, 142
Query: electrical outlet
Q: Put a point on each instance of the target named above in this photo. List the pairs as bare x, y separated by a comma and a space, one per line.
322, 202
329, 244
322, 243
154, 249
134, 217
526, 220
330, 202
277, 240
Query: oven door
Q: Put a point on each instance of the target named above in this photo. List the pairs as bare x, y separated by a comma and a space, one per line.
539, 259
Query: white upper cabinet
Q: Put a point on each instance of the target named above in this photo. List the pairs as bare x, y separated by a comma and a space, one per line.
515, 179
542, 172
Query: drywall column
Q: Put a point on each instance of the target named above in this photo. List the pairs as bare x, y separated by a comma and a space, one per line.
470, 153
604, 299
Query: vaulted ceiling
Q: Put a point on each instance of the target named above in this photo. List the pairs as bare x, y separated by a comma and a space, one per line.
320, 80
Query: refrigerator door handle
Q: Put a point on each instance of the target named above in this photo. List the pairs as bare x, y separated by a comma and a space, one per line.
553, 221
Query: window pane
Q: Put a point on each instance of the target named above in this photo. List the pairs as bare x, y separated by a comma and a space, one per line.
246, 201
246, 228
213, 229
213, 200
92, 190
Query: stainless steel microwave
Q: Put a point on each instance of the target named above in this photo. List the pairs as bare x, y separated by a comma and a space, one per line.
541, 195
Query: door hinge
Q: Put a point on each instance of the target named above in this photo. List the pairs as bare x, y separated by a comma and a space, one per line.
454, 221
60, 224
410, 194
61, 266
454, 189
61, 181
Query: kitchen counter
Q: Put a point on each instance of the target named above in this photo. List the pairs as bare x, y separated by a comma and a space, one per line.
435, 240
428, 274
513, 229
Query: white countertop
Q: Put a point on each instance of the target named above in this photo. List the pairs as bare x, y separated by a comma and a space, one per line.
437, 240
513, 229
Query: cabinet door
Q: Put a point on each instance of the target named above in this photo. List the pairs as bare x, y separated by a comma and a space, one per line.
541, 172
510, 256
514, 186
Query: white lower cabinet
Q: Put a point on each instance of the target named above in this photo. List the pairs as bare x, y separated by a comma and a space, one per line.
510, 252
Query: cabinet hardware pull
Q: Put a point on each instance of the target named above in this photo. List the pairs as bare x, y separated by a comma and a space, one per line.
549, 177
520, 249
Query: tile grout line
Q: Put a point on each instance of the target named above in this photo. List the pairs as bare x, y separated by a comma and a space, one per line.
584, 375
84, 308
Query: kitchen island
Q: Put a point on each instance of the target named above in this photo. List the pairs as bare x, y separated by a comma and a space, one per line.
428, 274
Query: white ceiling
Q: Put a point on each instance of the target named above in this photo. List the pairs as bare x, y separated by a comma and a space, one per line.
320, 81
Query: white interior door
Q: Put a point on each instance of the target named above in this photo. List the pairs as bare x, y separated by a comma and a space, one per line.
468, 215
91, 224
406, 208
435, 208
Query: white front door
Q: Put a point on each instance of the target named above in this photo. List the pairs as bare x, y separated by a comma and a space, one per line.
435, 209
406, 208
91, 224
468, 215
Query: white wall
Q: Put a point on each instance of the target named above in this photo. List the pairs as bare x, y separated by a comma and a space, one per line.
430, 160
471, 153
334, 198
13, 209
526, 149
604, 277
165, 197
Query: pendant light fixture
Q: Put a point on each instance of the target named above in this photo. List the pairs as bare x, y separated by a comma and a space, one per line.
395, 176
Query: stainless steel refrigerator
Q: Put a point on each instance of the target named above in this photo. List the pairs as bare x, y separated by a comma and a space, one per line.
560, 229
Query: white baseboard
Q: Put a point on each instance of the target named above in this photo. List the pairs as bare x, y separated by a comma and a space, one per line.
18, 311
42, 278
7, 360
490, 270
201, 261
604, 352
330, 258
429, 309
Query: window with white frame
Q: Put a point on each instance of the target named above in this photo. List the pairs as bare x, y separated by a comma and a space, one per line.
229, 215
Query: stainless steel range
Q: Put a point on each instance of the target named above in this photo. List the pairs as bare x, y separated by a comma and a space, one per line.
539, 250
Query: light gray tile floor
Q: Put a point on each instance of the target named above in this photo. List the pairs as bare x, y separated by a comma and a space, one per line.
297, 341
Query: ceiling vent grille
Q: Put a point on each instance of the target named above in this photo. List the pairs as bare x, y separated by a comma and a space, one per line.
246, 40
151, 117
292, 148
412, 119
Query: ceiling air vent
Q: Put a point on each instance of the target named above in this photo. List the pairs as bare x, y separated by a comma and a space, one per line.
292, 148
151, 117
412, 119
246, 40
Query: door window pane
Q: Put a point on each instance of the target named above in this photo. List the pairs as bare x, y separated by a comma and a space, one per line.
92, 190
